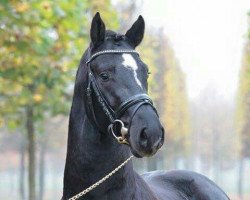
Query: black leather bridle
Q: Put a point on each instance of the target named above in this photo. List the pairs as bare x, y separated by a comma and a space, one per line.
113, 115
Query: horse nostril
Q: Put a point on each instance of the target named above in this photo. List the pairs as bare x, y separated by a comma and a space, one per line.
158, 144
143, 138
163, 134
162, 130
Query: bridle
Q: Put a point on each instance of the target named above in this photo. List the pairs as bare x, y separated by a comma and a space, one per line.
113, 115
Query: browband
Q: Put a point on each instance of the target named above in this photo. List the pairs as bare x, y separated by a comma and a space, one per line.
109, 52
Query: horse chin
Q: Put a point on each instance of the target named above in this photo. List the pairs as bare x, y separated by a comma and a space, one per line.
140, 154
136, 154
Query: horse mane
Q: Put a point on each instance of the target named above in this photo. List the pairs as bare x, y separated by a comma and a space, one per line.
111, 35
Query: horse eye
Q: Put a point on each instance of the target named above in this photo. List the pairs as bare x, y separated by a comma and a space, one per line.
104, 76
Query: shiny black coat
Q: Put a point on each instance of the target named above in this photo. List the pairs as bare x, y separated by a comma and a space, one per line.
92, 154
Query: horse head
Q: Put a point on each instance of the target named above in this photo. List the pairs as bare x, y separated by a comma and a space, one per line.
116, 89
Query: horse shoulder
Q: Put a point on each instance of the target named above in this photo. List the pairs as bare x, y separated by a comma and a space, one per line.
143, 191
183, 184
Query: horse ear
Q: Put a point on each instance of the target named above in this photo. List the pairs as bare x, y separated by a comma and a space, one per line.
136, 32
97, 31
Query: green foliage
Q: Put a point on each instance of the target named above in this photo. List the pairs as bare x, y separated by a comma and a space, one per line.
107, 11
175, 108
149, 55
41, 43
168, 89
244, 101
40, 48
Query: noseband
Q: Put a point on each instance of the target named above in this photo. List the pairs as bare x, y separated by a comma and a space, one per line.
113, 115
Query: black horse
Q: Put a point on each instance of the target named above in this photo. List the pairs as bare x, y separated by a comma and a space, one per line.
112, 116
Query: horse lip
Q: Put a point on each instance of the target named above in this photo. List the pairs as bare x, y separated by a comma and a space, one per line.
151, 153
135, 153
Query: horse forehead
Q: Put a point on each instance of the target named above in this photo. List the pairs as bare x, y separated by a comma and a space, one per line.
129, 61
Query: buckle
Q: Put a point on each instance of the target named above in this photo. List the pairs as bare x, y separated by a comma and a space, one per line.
123, 131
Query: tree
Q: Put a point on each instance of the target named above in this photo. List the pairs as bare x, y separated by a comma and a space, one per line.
213, 132
41, 43
128, 11
173, 101
168, 90
149, 52
244, 109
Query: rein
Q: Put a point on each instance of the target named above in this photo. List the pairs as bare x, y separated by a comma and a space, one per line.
113, 115
82, 193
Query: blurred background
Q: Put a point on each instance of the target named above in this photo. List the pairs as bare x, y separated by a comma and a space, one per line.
198, 53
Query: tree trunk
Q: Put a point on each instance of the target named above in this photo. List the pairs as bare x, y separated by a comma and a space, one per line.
41, 170
31, 153
240, 178
169, 160
22, 172
215, 154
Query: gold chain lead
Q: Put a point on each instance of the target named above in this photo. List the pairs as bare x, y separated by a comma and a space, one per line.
77, 196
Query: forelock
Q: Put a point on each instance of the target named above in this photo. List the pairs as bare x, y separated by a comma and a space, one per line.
111, 35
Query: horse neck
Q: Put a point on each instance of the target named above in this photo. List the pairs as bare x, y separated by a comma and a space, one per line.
91, 155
